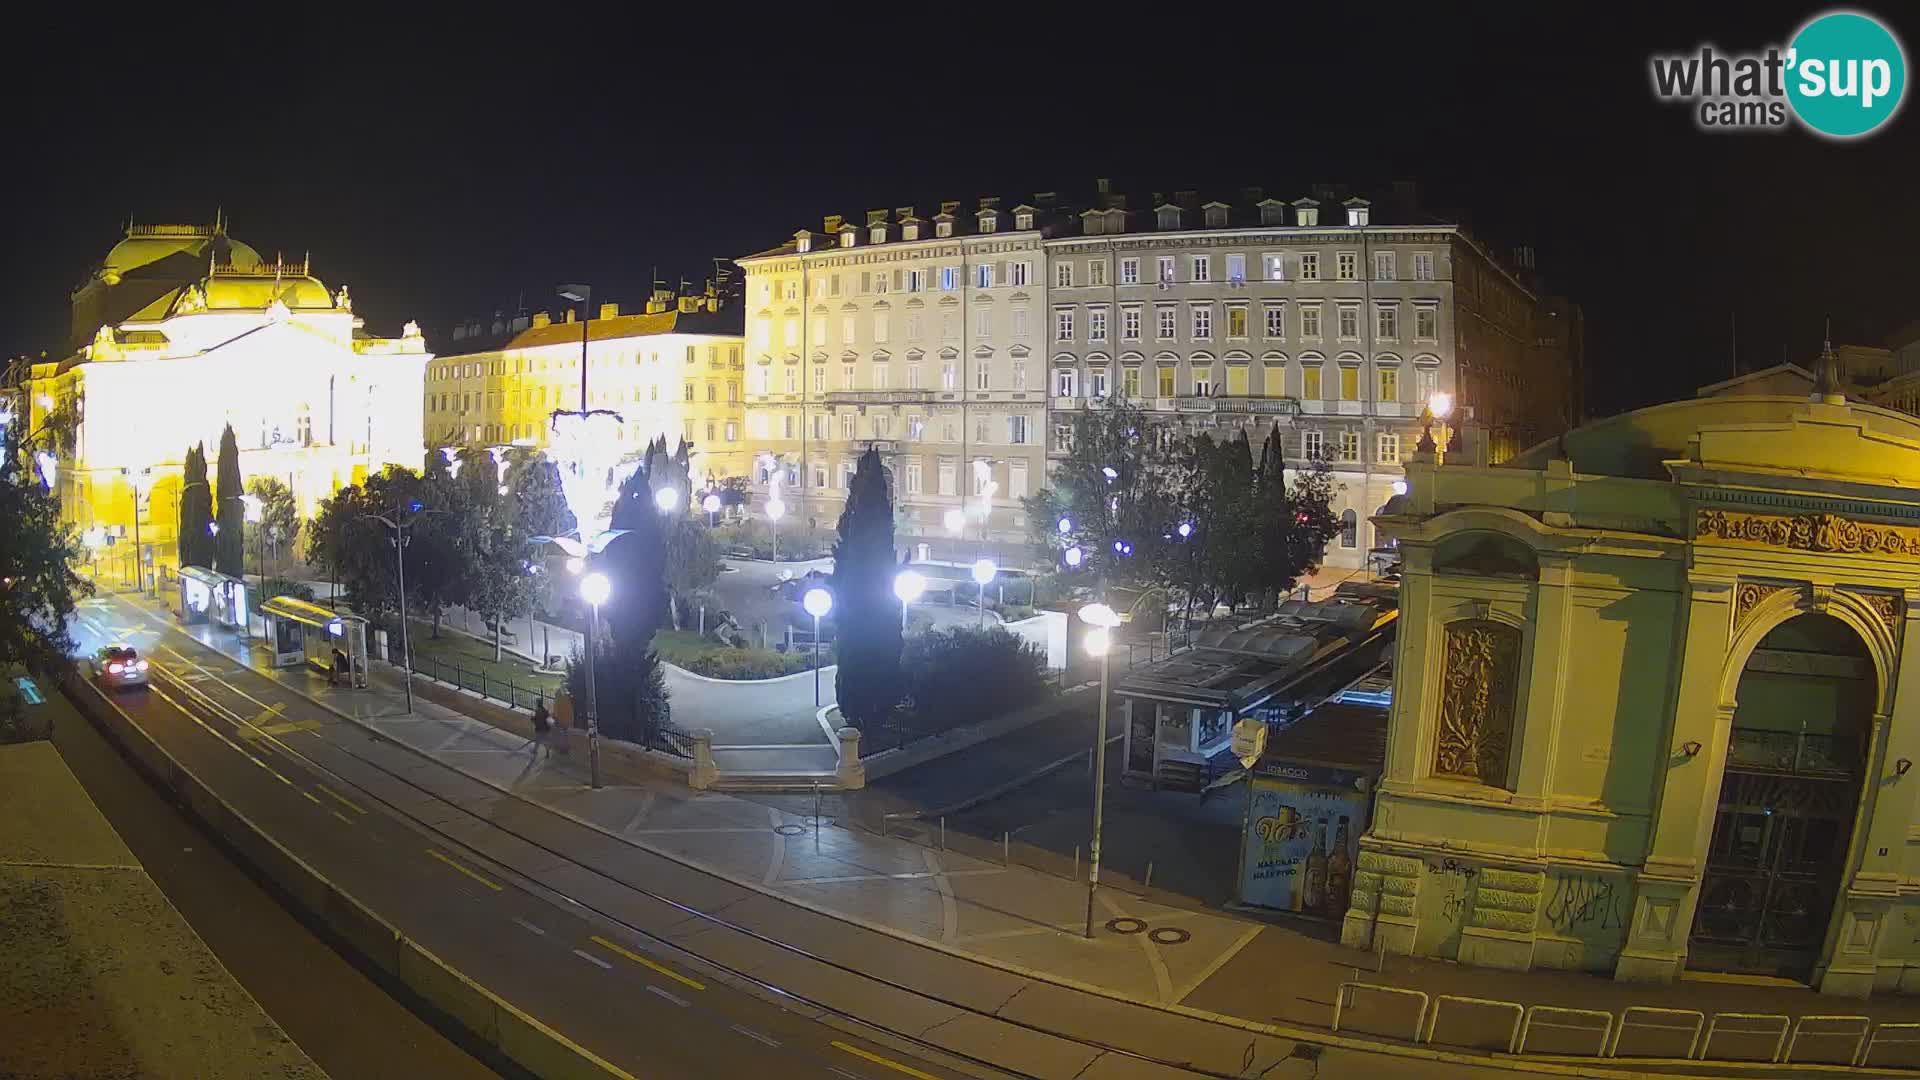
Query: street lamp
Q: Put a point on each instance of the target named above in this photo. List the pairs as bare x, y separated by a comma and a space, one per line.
142, 480
956, 520
1099, 643
594, 589
400, 525
667, 499
818, 602
256, 511
582, 295
908, 585
711, 504
775, 511
983, 571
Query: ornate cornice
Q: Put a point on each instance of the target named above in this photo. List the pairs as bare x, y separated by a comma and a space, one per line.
1808, 532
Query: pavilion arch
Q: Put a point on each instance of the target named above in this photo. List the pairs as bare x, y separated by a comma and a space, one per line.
1791, 602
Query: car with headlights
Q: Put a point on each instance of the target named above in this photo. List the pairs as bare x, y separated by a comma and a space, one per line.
119, 666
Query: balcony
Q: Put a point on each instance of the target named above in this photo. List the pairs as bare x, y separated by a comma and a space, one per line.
1194, 403
1260, 406
879, 397
1793, 752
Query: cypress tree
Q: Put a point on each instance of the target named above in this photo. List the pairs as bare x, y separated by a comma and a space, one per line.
196, 511
865, 610
229, 545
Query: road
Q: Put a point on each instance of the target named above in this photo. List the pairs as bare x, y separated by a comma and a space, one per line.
295, 975
331, 794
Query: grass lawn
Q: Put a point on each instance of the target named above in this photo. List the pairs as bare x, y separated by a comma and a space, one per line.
685, 649
474, 659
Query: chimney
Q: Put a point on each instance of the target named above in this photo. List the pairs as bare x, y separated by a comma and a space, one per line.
950, 206
831, 224
1186, 200
1252, 194
1045, 199
903, 213
876, 217
609, 311
541, 319
989, 202
1103, 186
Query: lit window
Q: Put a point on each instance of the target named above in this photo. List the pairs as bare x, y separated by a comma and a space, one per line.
1202, 268
1129, 271
1349, 446
1237, 269
1309, 265
1063, 324
1237, 321
1274, 267
1389, 384
1063, 274
1387, 448
1349, 383
1310, 383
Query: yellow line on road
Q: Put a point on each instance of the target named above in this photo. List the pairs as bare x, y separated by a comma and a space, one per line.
349, 821
644, 962
878, 1060
350, 804
308, 795
495, 886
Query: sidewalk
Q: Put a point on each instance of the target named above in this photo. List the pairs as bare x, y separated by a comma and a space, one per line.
102, 976
1022, 921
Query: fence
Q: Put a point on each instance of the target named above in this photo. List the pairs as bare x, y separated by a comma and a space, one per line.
1640, 1032
662, 737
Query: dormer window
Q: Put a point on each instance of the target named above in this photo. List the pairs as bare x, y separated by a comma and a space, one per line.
1306, 213
910, 231
1169, 217
803, 241
847, 238
1273, 212
1023, 221
943, 229
1358, 211
1216, 215
989, 222
877, 234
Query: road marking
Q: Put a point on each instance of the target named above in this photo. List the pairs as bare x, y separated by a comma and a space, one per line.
341, 816
842, 1072
529, 926
592, 959
644, 962
878, 1060
350, 804
757, 1037
484, 881
675, 998
309, 796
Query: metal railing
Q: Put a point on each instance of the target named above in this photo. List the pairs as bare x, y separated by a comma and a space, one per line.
1793, 752
662, 737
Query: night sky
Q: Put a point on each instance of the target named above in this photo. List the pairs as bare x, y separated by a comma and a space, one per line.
449, 171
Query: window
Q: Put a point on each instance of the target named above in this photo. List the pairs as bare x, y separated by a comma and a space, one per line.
1063, 274
1130, 324
820, 476
1203, 382
1017, 272
1097, 324
1310, 382
713, 392
1202, 323
1019, 322
1349, 529
982, 373
793, 332
1202, 268
1165, 318
733, 392
913, 328
1019, 374
866, 282
686, 431
1426, 382
1309, 265
1096, 271
1383, 266
947, 433
1063, 438
819, 380
983, 276
1237, 380
1236, 320
847, 426
946, 376
1349, 382
948, 275
1129, 271
793, 290
1347, 266
1387, 448
710, 431
1423, 266
1310, 321
947, 485
1066, 383
1237, 269
846, 377
1349, 322
879, 376
1166, 269
913, 376
1276, 320
1389, 384
1426, 324
793, 380
1311, 446
820, 427
818, 335
946, 327
1097, 382
916, 280
1275, 267
1130, 381
916, 428
879, 326
979, 436
847, 469
880, 282
1063, 324
1386, 322
689, 389
989, 223
1166, 382
882, 426
983, 324
913, 476
1017, 430
1349, 445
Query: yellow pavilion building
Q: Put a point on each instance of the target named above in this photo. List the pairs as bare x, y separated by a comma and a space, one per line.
182, 330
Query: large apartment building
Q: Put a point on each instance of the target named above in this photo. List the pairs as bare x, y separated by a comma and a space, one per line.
675, 369
961, 345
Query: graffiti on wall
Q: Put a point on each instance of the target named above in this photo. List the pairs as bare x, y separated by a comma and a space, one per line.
1583, 905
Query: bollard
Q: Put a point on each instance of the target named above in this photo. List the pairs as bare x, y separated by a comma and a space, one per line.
1076, 862
1149, 881
704, 771
943, 833
1006, 849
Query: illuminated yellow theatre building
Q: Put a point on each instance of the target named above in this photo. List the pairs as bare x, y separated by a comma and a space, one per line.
674, 369
182, 330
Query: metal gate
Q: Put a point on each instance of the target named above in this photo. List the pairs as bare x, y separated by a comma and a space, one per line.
1778, 852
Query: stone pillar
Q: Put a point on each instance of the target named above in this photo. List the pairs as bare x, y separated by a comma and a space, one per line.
704, 772
1543, 682
851, 775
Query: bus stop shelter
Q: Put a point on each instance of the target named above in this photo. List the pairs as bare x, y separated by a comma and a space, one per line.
301, 632
208, 596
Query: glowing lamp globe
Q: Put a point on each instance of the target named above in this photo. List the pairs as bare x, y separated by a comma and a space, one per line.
1441, 403
1099, 615
956, 520
776, 509
666, 499
1065, 525
711, 504
983, 571
817, 602
595, 588
908, 585
1097, 642
1075, 556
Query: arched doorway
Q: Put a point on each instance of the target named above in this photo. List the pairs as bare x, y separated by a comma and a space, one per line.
1778, 853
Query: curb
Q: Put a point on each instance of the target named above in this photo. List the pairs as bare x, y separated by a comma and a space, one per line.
488, 1017
747, 682
1014, 784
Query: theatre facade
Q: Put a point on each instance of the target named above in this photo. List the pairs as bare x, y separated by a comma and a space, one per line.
1652, 711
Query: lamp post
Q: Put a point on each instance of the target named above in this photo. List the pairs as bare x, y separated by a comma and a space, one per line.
142, 480
256, 512
711, 504
400, 525
1099, 643
1440, 407
818, 602
983, 571
775, 511
908, 585
582, 295
594, 589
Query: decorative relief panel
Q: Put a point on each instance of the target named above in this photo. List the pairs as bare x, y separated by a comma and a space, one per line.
1480, 673
1808, 532
1885, 605
1748, 597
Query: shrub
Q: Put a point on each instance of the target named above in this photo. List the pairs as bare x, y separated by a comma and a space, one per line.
964, 674
717, 661
280, 586
755, 538
631, 698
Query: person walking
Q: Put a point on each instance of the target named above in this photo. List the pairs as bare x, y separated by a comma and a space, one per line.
542, 727
563, 721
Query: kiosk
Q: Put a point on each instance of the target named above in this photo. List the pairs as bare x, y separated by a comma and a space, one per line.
210, 596
300, 632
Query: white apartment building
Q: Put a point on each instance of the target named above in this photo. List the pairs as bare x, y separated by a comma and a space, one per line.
921, 337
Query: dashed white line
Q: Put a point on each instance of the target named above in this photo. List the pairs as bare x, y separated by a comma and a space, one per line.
525, 925
757, 1037
343, 818
675, 998
837, 1071
592, 959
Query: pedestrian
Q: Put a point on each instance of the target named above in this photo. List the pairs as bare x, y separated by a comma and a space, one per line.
563, 721
339, 668
541, 728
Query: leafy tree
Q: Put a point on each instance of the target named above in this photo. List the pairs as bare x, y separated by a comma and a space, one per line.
539, 502
1119, 485
38, 588
865, 609
693, 564
439, 541
635, 563
965, 672
630, 692
229, 544
196, 511
279, 515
